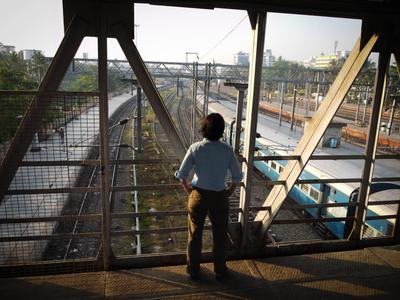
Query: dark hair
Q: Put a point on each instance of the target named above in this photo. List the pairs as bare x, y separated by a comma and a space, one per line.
212, 127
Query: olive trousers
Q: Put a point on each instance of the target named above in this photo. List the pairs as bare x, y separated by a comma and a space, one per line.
216, 205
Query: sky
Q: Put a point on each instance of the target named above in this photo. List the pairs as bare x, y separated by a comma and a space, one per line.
167, 34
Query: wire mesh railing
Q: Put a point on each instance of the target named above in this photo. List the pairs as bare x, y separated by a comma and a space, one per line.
40, 204
51, 216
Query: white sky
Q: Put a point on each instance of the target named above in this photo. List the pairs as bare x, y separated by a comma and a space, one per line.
167, 33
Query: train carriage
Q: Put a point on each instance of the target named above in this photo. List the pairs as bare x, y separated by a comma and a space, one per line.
270, 143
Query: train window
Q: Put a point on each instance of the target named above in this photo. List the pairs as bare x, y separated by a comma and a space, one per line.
305, 188
273, 165
331, 200
369, 232
314, 194
390, 229
280, 169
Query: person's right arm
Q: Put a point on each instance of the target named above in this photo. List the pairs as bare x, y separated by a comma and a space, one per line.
183, 173
186, 186
236, 173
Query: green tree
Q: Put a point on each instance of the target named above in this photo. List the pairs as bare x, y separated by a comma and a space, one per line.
13, 73
84, 83
38, 66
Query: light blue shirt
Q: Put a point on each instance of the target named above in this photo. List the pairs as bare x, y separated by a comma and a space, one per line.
210, 161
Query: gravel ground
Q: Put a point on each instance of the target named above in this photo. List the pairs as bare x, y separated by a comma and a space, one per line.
287, 232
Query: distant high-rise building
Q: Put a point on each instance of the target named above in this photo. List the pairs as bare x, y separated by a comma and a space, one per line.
343, 53
325, 61
28, 53
6, 48
241, 58
308, 63
268, 59
335, 44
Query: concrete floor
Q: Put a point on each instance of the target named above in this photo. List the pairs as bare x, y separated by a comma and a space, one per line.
372, 273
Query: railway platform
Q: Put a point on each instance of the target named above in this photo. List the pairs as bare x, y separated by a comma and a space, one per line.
351, 129
370, 273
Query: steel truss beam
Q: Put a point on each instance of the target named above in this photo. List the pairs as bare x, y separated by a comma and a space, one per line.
149, 88
314, 132
332, 8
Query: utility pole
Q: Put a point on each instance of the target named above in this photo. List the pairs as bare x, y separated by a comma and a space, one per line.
317, 96
293, 107
282, 95
240, 87
365, 105
191, 53
194, 104
357, 108
391, 118
139, 119
308, 92
136, 34
207, 89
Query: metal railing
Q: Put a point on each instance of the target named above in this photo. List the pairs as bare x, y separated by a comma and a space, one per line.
39, 215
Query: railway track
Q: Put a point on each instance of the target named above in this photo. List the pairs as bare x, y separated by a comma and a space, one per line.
89, 203
183, 119
163, 144
183, 116
346, 111
160, 139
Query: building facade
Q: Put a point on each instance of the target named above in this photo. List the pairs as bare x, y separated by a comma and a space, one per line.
268, 59
241, 58
6, 48
325, 61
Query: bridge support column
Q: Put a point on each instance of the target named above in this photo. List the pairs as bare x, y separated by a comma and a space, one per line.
258, 22
396, 231
371, 145
104, 153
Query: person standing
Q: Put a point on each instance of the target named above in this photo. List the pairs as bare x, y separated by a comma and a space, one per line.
61, 132
210, 159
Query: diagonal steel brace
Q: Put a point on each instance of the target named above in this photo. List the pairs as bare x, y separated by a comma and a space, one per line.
314, 132
34, 114
150, 89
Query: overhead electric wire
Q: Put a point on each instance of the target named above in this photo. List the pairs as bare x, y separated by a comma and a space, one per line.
217, 44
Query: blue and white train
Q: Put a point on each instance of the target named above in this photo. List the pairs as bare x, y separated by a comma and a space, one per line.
280, 140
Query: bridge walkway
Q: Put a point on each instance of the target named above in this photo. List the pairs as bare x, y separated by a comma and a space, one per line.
371, 273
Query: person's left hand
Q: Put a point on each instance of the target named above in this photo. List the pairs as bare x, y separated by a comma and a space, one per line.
228, 192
